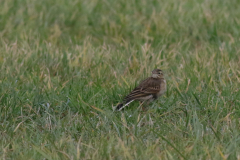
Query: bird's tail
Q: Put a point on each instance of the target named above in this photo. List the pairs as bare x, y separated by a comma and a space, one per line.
119, 107
122, 105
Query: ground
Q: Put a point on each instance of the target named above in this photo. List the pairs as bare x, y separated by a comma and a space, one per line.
65, 64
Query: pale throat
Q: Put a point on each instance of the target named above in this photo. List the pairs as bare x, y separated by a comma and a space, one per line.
155, 76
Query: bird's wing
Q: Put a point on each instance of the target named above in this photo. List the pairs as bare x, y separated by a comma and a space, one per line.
147, 87
152, 87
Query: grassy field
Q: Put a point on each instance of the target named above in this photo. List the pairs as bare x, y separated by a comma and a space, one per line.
65, 64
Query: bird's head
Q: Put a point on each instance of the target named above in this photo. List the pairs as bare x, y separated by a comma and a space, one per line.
157, 73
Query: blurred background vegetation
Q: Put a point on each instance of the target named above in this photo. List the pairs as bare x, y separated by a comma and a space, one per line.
65, 64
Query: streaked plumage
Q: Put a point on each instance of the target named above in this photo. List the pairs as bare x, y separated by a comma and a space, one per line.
148, 90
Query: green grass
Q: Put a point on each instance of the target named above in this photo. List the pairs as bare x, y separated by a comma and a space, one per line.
64, 65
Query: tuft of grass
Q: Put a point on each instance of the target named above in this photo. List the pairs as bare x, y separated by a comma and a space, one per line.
65, 64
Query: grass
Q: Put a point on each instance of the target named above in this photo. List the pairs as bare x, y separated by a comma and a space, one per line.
65, 64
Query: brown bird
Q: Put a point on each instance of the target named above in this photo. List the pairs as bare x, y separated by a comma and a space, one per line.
147, 91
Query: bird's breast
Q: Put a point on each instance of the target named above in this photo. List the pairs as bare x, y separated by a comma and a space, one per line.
163, 88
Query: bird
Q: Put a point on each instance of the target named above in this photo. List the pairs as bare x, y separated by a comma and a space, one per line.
147, 91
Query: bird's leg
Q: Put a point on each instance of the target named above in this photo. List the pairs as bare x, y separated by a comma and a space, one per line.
143, 105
